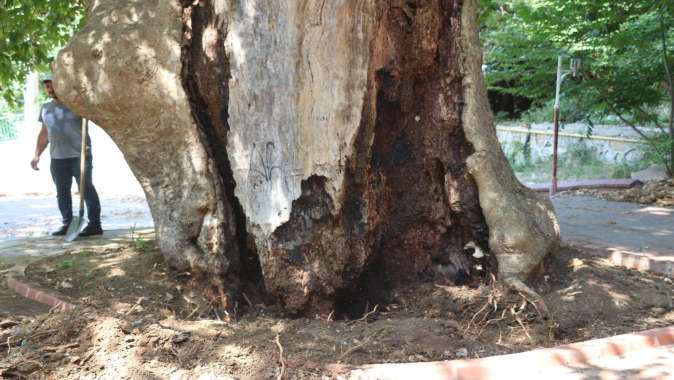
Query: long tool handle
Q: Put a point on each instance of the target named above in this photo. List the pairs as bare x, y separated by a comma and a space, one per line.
83, 158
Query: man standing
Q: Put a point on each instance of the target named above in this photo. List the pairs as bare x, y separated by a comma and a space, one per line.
62, 129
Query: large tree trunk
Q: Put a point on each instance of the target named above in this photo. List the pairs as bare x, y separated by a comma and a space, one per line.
323, 147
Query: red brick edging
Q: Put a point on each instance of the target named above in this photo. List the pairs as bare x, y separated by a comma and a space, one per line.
38, 295
524, 365
645, 262
642, 263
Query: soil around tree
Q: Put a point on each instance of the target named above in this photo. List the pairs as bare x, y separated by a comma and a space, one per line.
137, 319
14, 305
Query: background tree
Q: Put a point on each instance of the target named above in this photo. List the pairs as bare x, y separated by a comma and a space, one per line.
30, 33
626, 48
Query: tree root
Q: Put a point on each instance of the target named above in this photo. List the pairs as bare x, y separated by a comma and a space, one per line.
499, 308
282, 371
534, 299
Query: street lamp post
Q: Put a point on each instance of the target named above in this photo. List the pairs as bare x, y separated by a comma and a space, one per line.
561, 74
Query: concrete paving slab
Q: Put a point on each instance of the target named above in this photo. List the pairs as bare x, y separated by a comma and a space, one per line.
648, 230
21, 252
35, 216
627, 234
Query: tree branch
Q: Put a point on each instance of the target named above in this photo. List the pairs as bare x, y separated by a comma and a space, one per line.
649, 140
665, 56
670, 87
631, 125
646, 115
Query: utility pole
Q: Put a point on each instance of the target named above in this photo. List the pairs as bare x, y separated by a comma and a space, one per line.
561, 74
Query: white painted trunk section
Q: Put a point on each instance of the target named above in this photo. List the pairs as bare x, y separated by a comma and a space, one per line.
296, 96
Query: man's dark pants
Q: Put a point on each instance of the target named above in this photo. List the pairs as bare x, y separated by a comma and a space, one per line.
62, 172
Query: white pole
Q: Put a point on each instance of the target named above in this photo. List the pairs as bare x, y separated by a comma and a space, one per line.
559, 80
555, 139
30, 109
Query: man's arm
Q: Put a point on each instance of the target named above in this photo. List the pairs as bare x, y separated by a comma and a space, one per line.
42, 141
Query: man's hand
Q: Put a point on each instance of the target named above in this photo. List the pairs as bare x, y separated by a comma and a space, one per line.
34, 162
42, 141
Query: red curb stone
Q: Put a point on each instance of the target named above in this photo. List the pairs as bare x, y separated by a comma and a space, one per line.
33, 293
528, 365
643, 263
586, 184
630, 260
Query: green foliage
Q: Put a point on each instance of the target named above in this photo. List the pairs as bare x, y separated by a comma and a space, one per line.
518, 61
618, 42
580, 162
30, 32
626, 48
8, 123
519, 156
653, 152
65, 264
139, 243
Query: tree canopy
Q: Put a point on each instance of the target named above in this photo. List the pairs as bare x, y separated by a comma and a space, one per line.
626, 48
30, 32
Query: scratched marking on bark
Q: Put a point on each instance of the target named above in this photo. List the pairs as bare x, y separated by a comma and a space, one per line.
261, 165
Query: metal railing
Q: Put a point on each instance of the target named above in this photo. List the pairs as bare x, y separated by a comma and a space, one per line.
524, 131
8, 126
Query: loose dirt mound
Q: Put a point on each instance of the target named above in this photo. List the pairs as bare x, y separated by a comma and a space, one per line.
660, 193
134, 322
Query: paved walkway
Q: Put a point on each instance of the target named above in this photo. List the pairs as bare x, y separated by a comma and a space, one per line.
631, 235
584, 220
21, 252
35, 216
633, 227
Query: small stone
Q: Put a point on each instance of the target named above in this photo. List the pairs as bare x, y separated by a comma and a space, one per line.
398, 353
472, 247
65, 285
461, 353
417, 118
181, 337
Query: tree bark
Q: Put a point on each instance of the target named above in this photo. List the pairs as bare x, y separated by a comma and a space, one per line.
329, 150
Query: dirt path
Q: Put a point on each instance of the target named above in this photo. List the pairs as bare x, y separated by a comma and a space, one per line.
13, 305
137, 320
16, 255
